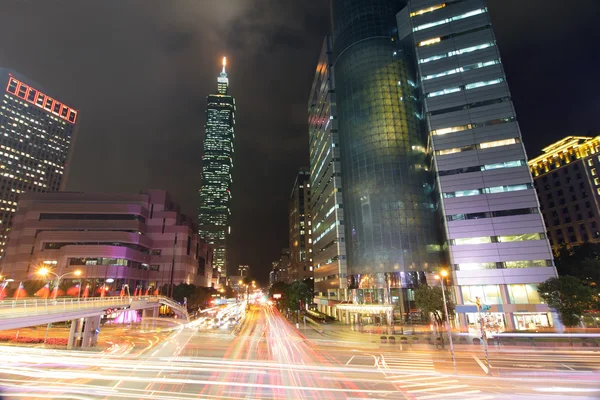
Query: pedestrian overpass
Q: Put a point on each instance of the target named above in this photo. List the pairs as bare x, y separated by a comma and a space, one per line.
85, 313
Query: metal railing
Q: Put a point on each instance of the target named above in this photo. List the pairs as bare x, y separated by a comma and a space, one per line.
13, 308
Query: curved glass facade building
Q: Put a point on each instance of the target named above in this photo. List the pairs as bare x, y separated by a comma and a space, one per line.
390, 227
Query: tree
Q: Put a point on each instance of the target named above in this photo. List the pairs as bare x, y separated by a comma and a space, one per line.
569, 296
431, 301
581, 261
296, 293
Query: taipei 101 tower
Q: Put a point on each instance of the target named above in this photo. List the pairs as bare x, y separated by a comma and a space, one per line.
217, 165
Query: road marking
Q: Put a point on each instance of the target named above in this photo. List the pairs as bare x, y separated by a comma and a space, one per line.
566, 366
437, 388
437, 396
414, 379
428, 383
350, 360
483, 367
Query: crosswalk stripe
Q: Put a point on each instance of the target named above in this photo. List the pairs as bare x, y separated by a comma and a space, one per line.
437, 388
415, 379
428, 383
438, 396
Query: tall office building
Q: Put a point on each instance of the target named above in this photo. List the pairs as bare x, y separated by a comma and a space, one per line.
329, 247
495, 234
300, 229
389, 220
36, 136
217, 166
567, 181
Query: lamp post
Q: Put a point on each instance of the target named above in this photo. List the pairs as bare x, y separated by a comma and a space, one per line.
4, 285
444, 274
45, 271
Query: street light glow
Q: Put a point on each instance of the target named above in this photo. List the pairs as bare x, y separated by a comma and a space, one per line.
43, 271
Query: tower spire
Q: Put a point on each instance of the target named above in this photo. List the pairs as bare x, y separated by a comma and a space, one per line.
224, 64
223, 81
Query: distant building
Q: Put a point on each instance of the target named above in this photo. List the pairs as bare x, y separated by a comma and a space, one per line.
300, 225
281, 267
217, 166
567, 181
114, 239
243, 270
36, 136
328, 245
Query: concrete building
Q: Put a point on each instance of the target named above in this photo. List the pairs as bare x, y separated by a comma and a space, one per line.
139, 240
494, 232
37, 133
300, 229
217, 166
329, 247
281, 268
567, 181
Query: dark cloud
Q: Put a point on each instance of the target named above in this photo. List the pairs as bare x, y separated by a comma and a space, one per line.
139, 71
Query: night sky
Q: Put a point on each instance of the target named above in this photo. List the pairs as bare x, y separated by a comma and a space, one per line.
139, 72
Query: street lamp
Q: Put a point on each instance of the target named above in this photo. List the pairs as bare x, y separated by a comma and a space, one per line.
4, 285
45, 271
444, 274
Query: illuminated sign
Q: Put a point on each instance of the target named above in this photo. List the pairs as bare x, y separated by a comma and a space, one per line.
277, 296
40, 100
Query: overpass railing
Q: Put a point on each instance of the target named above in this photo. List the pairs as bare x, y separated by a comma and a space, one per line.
12, 308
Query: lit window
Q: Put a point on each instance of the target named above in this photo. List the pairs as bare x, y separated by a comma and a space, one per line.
497, 143
526, 263
520, 238
506, 164
462, 69
590, 162
448, 151
483, 83
593, 171
445, 131
429, 42
475, 266
596, 181
427, 10
508, 188
447, 20
475, 240
443, 92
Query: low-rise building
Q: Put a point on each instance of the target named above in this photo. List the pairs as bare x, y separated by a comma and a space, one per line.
113, 239
568, 187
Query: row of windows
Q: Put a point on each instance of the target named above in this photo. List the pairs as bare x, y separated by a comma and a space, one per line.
490, 294
460, 128
457, 52
431, 41
487, 190
461, 69
492, 214
485, 145
486, 167
498, 239
92, 217
502, 265
469, 86
451, 19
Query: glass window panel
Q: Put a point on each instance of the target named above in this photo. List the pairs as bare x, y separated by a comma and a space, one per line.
518, 294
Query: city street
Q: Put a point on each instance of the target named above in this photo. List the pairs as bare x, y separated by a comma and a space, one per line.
270, 359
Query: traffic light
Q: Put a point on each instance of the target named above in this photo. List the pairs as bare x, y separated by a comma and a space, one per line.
485, 307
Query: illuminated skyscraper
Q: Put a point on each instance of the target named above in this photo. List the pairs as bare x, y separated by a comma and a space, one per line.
217, 165
36, 132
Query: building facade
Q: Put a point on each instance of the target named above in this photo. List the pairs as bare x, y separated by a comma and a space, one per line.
281, 268
389, 219
329, 247
217, 166
300, 229
567, 181
139, 240
494, 232
36, 137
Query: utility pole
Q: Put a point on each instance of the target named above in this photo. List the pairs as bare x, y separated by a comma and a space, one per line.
171, 289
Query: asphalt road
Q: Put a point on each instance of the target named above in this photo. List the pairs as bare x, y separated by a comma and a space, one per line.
268, 358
